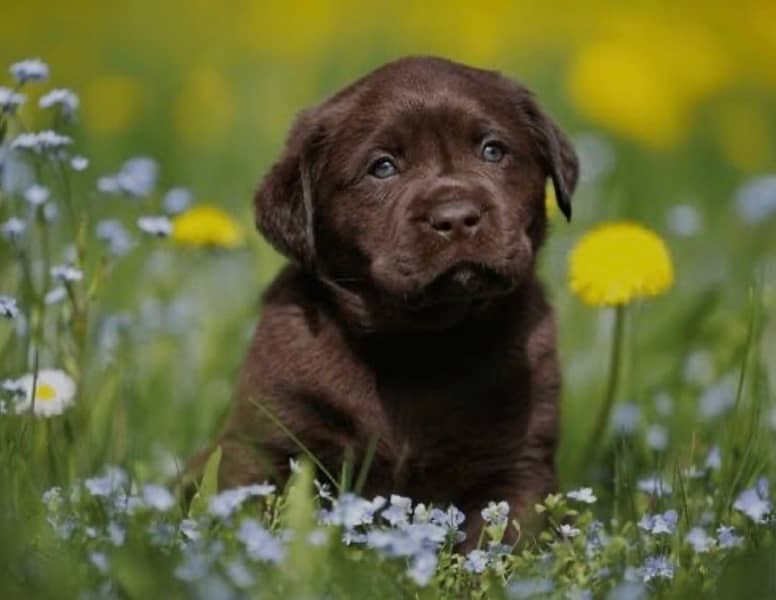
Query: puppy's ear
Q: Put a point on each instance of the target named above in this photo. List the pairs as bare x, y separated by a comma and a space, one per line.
284, 200
557, 154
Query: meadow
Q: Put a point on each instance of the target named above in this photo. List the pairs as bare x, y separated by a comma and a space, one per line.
131, 275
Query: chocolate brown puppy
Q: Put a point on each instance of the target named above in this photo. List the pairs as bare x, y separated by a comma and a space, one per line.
411, 205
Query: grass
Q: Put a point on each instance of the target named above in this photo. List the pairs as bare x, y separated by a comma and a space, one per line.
153, 339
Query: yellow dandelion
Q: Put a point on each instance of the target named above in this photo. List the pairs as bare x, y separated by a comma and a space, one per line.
619, 262
206, 225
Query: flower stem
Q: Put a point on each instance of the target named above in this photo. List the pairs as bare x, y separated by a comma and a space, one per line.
615, 368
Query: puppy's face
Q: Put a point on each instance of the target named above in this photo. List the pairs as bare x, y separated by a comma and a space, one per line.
420, 187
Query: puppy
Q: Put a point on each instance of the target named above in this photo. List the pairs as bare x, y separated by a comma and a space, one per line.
409, 325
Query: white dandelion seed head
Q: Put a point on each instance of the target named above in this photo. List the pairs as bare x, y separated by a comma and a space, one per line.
10, 100
53, 392
156, 226
31, 69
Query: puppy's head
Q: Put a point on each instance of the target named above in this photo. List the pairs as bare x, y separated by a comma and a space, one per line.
419, 187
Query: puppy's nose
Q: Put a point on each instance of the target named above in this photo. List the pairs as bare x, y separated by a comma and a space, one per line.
455, 218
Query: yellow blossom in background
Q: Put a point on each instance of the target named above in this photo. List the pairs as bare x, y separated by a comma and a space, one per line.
206, 225
112, 103
620, 262
550, 202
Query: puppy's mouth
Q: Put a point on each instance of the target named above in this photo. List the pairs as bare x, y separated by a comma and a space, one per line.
465, 283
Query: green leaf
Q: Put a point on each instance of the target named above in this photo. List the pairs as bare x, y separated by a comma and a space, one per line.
208, 487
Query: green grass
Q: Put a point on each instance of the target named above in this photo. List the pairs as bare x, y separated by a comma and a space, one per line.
154, 339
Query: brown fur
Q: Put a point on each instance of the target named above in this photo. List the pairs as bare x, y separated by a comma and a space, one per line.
437, 342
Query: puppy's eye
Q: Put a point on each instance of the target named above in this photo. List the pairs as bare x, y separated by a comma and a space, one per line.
383, 168
492, 151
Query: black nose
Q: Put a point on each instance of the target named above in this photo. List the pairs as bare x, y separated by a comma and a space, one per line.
456, 217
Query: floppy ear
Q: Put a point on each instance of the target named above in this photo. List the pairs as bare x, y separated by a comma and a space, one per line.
284, 200
557, 153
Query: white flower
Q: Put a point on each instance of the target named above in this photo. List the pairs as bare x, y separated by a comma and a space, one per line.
66, 100
41, 142
79, 163
567, 531
756, 200
31, 69
66, 274
714, 459
37, 195
158, 497
584, 494
657, 437
13, 228
10, 100
699, 540
177, 200
8, 307
136, 178
155, 226
54, 391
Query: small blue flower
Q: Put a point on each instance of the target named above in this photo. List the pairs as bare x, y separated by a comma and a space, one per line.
754, 504
657, 567
79, 163
756, 200
113, 480
136, 179
727, 537
476, 562
259, 543
714, 459
699, 540
654, 486
100, 561
9, 309
225, 503
31, 69
113, 232
584, 495
398, 510
239, 574
41, 142
155, 226
625, 418
10, 101
13, 229
158, 497
177, 200
37, 195
660, 524
529, 588
422, 568
66, 100
657, 437
66, 274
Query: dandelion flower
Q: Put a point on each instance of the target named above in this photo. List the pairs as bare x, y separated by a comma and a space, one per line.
206, 225
619, 262
54, 391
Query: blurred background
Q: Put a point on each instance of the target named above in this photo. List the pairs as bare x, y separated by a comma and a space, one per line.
672, 107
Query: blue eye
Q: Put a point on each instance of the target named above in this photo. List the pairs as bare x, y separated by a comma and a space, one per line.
383, 168
492, 152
